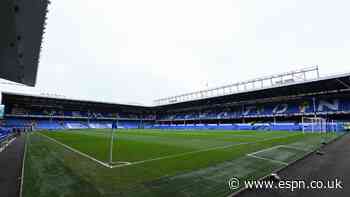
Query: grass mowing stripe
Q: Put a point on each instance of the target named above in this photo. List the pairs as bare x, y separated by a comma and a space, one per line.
180, 176
47, 172
199, 151
178, 155
123, 164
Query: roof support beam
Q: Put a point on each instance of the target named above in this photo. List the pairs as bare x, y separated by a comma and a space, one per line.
343, 83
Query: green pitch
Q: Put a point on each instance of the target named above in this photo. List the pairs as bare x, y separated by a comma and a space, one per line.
155, 162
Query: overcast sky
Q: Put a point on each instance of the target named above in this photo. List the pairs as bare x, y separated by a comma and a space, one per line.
136, 51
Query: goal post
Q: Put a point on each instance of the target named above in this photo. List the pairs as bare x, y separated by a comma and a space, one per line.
314, 124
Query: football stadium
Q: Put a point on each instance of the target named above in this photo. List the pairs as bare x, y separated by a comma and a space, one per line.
279, 127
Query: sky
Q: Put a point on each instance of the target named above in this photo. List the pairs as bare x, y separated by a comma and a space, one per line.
136, 51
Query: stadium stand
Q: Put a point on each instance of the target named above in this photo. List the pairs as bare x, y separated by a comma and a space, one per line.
281, 107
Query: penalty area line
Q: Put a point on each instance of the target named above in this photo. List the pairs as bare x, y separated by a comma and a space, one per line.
120, 163
272, 148
295, 148
265, 150
267, 159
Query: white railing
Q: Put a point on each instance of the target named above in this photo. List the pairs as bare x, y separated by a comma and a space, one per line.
302, 75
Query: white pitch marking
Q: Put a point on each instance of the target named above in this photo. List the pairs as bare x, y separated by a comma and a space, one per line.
159, 158
198, 151
178, 155
296, 148
122, 165
26, 141
266, 149
76, 151
267, 159
7, 144
121, 162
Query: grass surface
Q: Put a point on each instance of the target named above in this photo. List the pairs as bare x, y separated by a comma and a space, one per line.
172, 163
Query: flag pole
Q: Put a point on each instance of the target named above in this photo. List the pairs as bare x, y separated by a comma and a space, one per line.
111, 144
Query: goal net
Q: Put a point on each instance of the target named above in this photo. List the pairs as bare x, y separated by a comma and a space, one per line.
314, 124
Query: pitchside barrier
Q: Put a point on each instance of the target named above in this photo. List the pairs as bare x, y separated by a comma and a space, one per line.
308, 125
6, 138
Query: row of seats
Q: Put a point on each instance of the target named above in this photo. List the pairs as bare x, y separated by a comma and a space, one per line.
283, 126
70, 124
35, 112
306, 107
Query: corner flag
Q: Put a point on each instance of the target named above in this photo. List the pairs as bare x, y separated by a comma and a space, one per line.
114, 125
